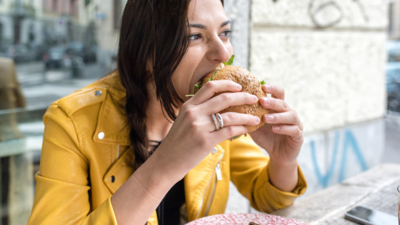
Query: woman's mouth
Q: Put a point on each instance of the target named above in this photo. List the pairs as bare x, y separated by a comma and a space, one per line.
202, 77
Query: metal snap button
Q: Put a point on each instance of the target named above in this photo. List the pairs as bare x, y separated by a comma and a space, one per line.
215, 150
112, 179
101, 135
98, 93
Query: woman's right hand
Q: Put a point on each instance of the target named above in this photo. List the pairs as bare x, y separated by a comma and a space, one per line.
194, 135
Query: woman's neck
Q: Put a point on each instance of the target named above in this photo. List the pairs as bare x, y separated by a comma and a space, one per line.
157, 125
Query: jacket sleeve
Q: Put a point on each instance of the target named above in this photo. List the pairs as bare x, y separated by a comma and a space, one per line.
249, 173
62, 191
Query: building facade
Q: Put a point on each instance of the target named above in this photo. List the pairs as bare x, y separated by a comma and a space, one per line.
394, 19
68, 21
46, 22
19, 23
330, 57
108, 19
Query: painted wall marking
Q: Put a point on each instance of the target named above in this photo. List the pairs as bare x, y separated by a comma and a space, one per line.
349, 141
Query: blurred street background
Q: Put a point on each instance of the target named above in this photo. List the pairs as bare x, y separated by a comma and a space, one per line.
339, 62
41, 86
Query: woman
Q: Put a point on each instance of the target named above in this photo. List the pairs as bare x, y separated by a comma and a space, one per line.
95, 166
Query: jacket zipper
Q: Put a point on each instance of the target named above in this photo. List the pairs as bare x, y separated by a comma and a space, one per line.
217, 178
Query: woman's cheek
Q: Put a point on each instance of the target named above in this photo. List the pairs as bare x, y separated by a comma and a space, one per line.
181, 80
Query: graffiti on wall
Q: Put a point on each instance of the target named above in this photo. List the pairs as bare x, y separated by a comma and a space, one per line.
349, 146
316, 7
319, 7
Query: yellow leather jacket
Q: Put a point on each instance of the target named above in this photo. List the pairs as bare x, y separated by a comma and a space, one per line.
83, 163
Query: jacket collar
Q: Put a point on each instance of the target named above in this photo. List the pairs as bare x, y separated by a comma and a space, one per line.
112, 125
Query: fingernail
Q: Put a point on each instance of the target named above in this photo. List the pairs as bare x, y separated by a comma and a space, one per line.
257, 119
255, 98
270, 117
276, 128
238, 86
268, 87
267, 101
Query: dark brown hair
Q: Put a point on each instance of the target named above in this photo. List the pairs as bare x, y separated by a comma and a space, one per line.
153, 31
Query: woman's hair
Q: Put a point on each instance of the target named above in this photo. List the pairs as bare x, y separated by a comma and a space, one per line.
155, 32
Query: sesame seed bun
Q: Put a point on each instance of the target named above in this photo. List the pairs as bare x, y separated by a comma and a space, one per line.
250, 84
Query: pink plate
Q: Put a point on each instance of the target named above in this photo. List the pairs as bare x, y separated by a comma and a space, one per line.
245, 219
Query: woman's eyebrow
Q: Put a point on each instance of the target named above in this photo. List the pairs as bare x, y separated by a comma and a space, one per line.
198, 25
201, 26
225, 23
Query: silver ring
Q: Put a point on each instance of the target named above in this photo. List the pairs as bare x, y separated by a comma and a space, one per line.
221, 121
215, 122
299, 138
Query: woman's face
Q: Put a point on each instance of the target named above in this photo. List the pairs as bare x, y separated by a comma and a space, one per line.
209, 45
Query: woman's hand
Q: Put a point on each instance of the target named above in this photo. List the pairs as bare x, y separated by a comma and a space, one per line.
282, 136
194, 135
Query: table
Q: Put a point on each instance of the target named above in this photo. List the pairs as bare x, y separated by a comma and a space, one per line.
375, 188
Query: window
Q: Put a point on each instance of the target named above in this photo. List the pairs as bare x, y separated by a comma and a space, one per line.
55, 5
64, 8
74, 8
117, 13
45, 5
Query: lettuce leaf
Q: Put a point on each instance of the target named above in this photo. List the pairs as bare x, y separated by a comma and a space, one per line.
230, 61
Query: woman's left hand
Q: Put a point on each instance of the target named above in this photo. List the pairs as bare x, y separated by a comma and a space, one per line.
282, 136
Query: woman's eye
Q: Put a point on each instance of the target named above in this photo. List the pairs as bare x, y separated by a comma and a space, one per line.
194, 37
227, 33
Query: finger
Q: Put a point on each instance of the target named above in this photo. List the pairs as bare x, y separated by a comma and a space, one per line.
226, 100
275, 104
287, 118
227, 133
292, 131
274, 90
209, 89
236, 119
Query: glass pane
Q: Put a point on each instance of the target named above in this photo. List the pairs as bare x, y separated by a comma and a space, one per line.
48, 49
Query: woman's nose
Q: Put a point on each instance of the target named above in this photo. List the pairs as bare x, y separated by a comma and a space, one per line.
218, 51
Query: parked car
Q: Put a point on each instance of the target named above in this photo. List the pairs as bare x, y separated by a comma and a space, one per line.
37, 51
393, 76
87, 53
393, 86
90, 54
19, 53
57, 57
393, 51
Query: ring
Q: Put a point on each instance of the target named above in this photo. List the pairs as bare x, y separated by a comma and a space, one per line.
221, 121
299, 138
215, 122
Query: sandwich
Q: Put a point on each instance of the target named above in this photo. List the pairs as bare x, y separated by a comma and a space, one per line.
250, 84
